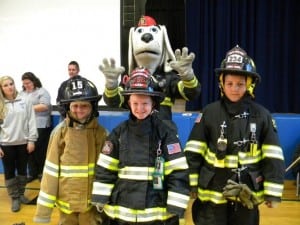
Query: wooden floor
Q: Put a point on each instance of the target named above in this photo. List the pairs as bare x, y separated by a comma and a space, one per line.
287, 213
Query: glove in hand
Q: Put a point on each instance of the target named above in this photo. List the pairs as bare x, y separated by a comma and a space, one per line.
183, 64
242, 191
111, 73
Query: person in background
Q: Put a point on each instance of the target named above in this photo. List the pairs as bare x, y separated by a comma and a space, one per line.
234, 155
18, 134
41, 101
141, 174
73, 149
73, 71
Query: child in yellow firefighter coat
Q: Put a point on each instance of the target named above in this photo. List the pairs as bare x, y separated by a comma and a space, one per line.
71, 158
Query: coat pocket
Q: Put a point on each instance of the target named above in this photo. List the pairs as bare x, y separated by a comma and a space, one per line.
257, 180
205, 177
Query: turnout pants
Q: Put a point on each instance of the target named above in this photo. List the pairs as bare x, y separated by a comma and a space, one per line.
232, 213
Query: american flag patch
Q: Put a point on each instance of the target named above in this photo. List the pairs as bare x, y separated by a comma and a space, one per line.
174, 148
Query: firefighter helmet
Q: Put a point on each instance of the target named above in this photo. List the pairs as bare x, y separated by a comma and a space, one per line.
80, 89
238, 62
146, 21
140, 82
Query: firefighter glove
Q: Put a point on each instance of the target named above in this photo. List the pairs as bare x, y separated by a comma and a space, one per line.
111, 73
242, 191
183, 64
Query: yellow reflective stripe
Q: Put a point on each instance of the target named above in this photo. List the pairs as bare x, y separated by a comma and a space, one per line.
46, 199
194, 179
186, 84
230, 161
133, 215
259, 195
248, 158
51, 168
196, 147
180, 87
209, 195
167, 102
111, 93
190, 83
102, 188
63, 206
178, 199
76, 171
136, 173
217, 197
108, 162
91, 168
176, 164
273, 189
272, 151
220, 163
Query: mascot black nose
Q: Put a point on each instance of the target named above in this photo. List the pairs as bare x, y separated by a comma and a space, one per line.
147, 37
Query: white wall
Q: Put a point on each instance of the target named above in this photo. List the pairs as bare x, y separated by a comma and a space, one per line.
43, 36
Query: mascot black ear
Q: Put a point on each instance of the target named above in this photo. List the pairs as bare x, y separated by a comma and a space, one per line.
131, 62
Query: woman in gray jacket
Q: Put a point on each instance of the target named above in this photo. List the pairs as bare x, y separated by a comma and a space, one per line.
18, 133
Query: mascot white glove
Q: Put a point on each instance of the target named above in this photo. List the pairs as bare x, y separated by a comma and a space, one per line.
183, 64
111, 73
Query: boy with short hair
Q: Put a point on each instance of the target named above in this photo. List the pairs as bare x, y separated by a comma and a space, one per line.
141, 175
71, 158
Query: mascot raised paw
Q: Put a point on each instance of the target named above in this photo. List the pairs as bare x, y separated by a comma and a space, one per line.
111, 73
171, 73
183, 64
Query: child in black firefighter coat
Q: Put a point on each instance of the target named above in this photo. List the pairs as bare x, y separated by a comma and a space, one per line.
141, 174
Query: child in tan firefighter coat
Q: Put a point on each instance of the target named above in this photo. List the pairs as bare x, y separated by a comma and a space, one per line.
141, 175
72, 154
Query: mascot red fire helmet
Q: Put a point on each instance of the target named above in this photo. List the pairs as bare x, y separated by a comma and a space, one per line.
146, 21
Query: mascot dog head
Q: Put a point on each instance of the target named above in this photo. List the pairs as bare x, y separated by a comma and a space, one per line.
149, 46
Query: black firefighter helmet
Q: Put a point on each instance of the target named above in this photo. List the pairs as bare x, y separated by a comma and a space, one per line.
140, 82
80, 89
238, 62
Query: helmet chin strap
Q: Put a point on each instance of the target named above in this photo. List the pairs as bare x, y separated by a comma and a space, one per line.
81, 124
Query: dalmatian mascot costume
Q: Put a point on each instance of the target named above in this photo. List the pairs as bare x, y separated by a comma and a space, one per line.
172, 73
